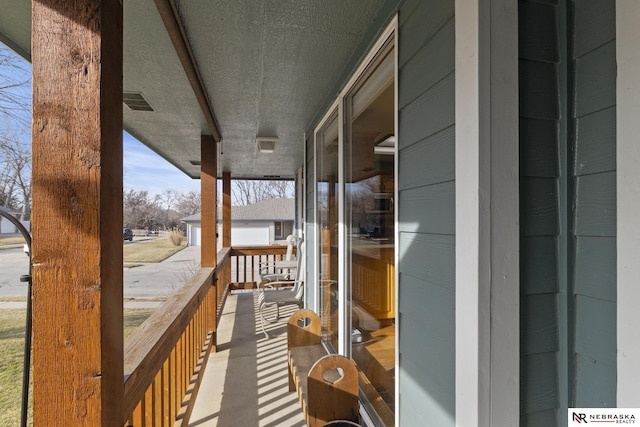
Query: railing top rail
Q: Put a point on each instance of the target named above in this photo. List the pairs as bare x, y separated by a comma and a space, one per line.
258, 250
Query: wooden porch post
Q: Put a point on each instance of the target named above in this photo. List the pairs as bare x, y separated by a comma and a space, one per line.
77, 212
226, 209
208, 183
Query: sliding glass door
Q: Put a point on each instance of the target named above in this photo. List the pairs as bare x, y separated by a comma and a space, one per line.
355, 169
327, 192
370, 147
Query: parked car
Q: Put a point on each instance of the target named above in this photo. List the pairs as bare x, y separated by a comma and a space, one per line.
127, 234
25, 248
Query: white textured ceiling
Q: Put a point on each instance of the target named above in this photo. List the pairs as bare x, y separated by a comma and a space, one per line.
268, 67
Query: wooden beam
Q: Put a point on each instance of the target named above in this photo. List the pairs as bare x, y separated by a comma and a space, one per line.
77, 212
226, 209
171, 18
208, 182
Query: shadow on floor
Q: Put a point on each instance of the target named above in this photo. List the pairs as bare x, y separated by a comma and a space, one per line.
245, 382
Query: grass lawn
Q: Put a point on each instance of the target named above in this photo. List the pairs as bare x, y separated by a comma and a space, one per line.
155, 250
6, 241
12, 324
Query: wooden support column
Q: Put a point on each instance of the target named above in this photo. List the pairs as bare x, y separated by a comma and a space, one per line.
208, 183
226, 209
77, 212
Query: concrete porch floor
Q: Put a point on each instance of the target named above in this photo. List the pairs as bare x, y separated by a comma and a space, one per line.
245, 383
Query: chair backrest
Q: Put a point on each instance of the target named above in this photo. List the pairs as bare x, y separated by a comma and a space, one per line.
300, 269
298, 288
291, 240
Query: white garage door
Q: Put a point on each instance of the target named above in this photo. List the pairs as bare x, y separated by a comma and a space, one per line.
195, 239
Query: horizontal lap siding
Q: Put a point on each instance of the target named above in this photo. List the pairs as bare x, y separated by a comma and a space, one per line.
594, 168
539, 231
426, 174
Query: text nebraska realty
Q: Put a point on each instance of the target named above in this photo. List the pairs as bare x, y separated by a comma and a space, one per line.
604, 418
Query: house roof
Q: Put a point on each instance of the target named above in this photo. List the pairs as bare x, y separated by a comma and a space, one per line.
265, 210
8, 211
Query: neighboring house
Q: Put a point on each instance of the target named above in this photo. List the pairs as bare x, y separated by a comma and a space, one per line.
262, 223
6, 227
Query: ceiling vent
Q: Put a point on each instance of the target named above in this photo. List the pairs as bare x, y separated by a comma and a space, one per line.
266, 145
195, 162
136, 101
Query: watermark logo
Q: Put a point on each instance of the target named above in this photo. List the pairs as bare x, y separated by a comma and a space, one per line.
579, 417
582, 416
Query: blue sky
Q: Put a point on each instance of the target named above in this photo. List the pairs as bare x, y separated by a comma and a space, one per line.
145, 170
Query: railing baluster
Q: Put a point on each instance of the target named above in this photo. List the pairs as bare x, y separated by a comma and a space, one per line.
183, 365
157, 400
148, 408
173, 386
166, 393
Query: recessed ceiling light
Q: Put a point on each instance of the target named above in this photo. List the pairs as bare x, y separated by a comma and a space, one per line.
266, 145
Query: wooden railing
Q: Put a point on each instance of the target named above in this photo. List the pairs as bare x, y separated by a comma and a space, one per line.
246, 261
166, 356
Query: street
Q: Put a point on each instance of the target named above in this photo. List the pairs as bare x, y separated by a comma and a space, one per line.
150, 280
13, 264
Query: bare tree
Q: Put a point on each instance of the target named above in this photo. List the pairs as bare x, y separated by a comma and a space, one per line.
15, 175
188, 203
15, 153
140, 210
15, 84
248, 192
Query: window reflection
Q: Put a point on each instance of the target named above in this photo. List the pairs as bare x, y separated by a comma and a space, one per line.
327, 210
370, 241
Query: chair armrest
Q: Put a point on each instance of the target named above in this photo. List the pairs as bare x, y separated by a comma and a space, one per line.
279, 283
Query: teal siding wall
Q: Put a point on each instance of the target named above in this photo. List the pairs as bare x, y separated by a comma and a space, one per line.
593, 171
539, 72
567, 207
426, 173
